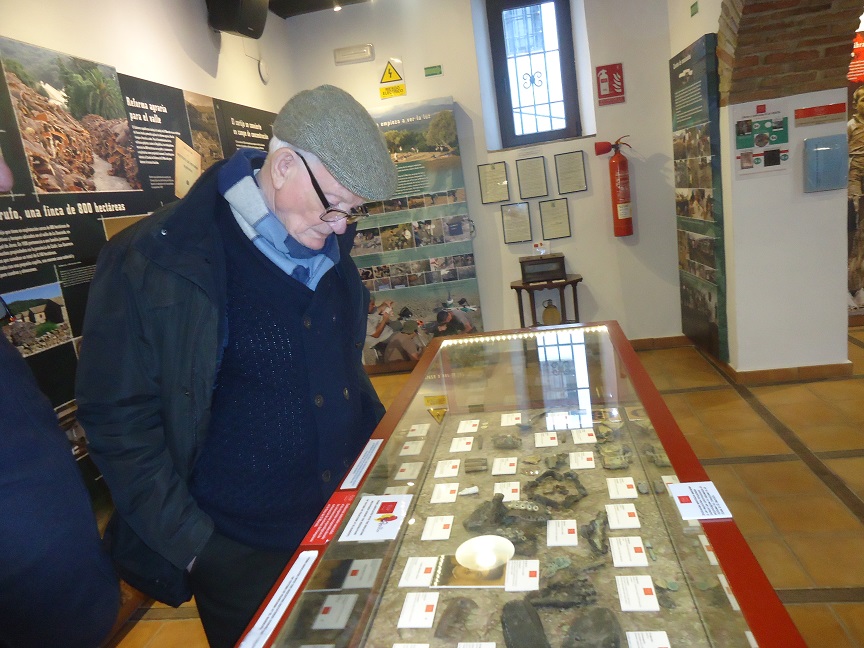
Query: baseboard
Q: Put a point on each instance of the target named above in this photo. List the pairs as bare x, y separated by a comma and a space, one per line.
856, 320
646, 344
785, 374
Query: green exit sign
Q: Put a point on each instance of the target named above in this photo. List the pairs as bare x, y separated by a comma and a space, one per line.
694, 9
434, 70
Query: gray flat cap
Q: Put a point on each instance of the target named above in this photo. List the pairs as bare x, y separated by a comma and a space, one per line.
330, 123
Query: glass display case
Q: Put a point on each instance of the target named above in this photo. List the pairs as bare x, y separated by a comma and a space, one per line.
517, 494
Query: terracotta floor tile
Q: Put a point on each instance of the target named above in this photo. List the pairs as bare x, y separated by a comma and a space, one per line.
853, 409
704, 446
749, 517
819, 627
834, 436
187, 633
851, 471
795, 414
779, 563
779, 478
838, 390
677, 404
805, 513
731, 418
712, 399
727, 481
831, 559
856, 356
852, 616
784, 394
758, 441
136, 635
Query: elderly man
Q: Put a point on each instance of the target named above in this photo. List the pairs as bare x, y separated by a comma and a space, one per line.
220, 380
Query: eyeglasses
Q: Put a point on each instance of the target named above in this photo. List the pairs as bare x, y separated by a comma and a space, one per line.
332, 214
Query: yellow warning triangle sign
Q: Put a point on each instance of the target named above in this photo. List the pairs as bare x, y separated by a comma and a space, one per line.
390, 74
438, 413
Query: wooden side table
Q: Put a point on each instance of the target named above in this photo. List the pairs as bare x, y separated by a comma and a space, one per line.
534, 286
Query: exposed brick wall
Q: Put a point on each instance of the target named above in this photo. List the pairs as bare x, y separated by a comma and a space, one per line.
777, 48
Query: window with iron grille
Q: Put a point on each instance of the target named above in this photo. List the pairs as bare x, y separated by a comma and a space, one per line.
535, 71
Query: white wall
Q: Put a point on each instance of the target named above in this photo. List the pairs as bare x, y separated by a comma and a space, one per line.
785, 254
684, 29
633, 280
164, 41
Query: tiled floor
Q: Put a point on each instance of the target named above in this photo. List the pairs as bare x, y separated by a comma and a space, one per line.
789, 461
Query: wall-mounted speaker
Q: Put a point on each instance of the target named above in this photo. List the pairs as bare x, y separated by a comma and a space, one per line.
241, 17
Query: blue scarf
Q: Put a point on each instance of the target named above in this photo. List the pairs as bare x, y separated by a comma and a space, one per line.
238, 186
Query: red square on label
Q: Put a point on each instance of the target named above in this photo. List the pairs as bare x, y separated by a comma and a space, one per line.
709, 548
630, 486
532, 574
446, 526
631, 513
452, 490
405, 447
430, 608
387, 507
590, 434
552, 438
761, 109
571, 531
512, 463
427, 570
515, 490
647, 591
326, 610
589, 458
637, 549
401, 470
685, 499
354, 572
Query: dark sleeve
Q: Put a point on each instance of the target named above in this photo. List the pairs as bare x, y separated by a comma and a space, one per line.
120, 395
58, 585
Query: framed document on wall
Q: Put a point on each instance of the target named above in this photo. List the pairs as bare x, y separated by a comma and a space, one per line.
532, 177
493, 182
555, 218
570, 172
516, 220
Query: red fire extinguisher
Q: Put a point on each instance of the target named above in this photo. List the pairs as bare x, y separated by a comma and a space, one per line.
619, 180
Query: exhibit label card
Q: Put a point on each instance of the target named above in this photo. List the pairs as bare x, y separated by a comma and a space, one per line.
335, 612
510, 490
514, 418
418, 611
622, 516
376, 518
699, 501
361, 573
636, 594
461, 444
418, 430
653, 639
732, 600
467, 426
522, 576
621, 488
419, 571
668, 480
504, 466
437, 527
628, 551
410, 448
584, 435
581, 460
561, 533
545, 439
409, 470
445, 493
447, 468
355, 475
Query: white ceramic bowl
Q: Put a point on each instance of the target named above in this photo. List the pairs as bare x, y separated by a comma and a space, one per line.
485, 552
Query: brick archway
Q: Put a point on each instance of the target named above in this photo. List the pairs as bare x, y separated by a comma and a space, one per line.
777, 48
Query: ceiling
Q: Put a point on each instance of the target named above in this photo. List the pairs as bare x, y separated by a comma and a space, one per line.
288, 8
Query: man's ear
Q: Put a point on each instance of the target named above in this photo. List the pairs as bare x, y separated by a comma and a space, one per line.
282, 166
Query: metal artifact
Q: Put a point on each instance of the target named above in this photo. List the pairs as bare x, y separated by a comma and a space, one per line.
478, 464
454, 620
596, 627
556, 490
525, 544
522, 626
487, 516
615, 457
556, 461
657, 456
597, 533
566, 588
506, 442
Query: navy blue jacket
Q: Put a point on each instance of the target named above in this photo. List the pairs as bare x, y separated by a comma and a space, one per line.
153, 333
57, 586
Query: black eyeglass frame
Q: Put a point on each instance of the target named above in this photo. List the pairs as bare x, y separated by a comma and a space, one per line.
5, 311
332, 214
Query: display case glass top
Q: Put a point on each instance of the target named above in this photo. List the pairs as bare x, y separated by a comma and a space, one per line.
555, 445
